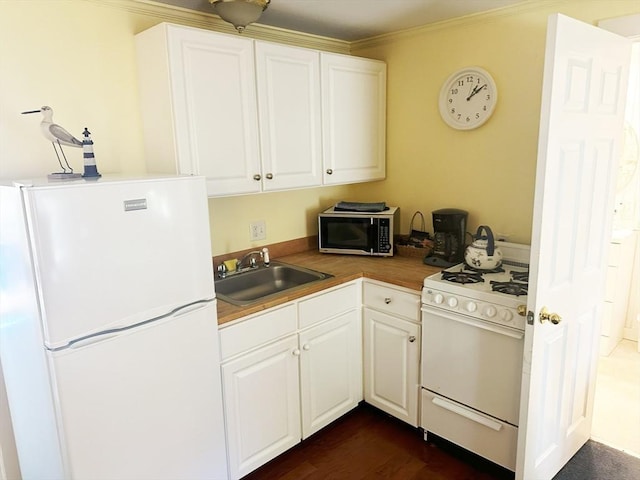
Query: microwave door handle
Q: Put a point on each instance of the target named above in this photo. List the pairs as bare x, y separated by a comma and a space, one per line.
373, 236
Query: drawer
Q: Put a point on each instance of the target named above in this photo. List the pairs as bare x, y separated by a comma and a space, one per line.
478, 433
328, 305
391, 300
257, 330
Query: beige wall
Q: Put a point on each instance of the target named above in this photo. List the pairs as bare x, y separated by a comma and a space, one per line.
78, 57
490, 171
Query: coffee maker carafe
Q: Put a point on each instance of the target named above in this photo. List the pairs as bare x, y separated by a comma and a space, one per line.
449, 229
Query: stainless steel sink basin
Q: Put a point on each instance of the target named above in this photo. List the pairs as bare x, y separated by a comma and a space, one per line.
262, 283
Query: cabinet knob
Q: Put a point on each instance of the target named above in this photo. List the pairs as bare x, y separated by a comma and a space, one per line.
257, 177
387, 300
412, 339
269, 176
296, 352
306, 346
329, 171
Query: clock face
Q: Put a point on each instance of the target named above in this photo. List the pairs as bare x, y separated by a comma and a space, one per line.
468, 98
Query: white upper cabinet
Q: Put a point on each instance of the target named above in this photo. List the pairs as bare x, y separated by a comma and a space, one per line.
354, 118
288, 81
198, 98
255, 116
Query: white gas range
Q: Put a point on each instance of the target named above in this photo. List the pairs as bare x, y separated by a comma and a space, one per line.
472, 343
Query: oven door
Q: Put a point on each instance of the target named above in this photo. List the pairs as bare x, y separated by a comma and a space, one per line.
473, 362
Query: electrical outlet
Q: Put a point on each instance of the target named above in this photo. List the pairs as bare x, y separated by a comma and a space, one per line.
258, 230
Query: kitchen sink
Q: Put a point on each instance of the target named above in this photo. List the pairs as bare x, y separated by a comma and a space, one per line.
261, 283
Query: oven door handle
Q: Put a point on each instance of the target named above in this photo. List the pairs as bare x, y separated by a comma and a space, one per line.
475, 323
473, 416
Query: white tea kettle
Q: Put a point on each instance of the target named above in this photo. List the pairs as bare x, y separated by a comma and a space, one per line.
482, 254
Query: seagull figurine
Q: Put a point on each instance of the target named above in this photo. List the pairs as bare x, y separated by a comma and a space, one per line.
57, 135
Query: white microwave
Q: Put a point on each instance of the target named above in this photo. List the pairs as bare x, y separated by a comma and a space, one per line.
358, 233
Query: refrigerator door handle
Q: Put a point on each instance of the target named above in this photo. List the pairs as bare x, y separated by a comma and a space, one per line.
83, 342
112, 332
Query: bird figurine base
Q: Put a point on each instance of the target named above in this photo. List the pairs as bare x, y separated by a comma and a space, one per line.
63, 176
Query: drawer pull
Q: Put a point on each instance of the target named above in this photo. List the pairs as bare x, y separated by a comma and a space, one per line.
296, 352
481, 419
387, 300
306, 347
412, 339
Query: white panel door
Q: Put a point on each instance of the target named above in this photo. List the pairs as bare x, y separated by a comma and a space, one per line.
214, 102
584, 91
144, 404
288, 80
392, 365
99, 265
330, 371
353, 118
262, 405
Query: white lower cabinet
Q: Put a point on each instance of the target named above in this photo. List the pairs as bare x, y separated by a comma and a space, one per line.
392, 340
262, 407
288, 372
330, 371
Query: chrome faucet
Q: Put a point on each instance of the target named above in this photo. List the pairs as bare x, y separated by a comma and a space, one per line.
240, 264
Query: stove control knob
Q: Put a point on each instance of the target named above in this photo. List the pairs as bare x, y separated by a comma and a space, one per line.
506, 315
471, 307
490, 311
452, 302
438, 298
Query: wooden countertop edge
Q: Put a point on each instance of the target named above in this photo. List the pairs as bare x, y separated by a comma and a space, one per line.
400, 271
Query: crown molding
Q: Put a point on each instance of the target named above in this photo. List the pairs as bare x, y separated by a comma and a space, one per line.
474, 18
182, 16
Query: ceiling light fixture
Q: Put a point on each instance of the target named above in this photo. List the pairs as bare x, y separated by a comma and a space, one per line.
240, 13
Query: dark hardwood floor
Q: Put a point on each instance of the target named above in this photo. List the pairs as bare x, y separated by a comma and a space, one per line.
369, 444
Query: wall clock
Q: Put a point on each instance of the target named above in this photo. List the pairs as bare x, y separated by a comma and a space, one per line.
468, 98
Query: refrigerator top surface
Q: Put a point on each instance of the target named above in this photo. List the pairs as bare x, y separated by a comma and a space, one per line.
37, 182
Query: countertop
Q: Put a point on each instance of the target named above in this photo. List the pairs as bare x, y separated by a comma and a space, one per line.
408, 272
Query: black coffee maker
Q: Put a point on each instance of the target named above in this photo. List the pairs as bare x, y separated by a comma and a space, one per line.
449, 230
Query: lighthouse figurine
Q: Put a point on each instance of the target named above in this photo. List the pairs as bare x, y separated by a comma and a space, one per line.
90, 169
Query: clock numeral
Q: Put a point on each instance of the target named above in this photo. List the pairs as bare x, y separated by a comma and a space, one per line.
454, 91
460, 83
450, 100
459, 116
453, 110
477, 116
488, 96
470, 79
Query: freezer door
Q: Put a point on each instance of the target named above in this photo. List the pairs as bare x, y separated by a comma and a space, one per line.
112, 253
146, 404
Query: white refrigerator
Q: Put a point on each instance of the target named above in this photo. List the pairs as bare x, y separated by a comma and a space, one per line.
108, 329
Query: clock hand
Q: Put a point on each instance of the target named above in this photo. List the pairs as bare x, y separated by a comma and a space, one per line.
476, 90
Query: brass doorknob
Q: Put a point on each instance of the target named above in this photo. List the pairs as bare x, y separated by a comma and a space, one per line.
522, 310
552, 317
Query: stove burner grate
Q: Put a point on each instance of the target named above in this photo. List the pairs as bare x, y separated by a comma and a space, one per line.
480, 271
462, 277
520, 276
510, 288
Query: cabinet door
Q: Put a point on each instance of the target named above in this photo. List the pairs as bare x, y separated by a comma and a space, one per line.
262, 406
354, 118
214, 108
288, 80
392, 365
330, 370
